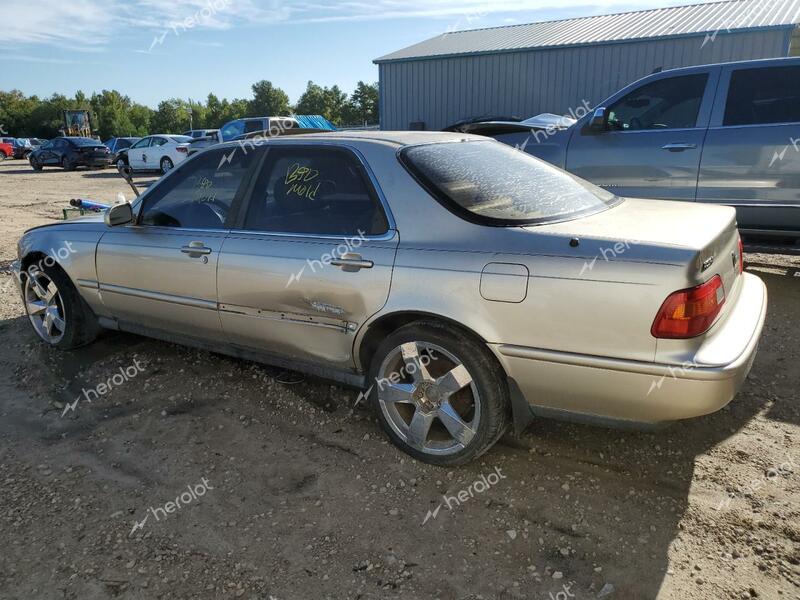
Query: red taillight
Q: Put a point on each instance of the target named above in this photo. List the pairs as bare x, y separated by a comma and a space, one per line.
181, 149
689, 313
741, 255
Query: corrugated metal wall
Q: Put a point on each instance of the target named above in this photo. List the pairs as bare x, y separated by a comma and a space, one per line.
442, 91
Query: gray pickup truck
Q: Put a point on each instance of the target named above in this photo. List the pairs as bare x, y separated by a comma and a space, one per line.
724, 134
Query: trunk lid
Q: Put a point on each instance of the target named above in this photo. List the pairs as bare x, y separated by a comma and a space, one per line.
700, 238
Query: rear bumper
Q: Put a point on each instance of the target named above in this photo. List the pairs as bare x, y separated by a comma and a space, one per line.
93, 162
608, 388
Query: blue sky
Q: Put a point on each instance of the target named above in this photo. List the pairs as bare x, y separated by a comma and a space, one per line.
157, 49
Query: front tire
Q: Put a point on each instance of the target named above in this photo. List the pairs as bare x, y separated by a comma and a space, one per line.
35, 164
3, 156
439, 394
166, 165
67, 164
58, 314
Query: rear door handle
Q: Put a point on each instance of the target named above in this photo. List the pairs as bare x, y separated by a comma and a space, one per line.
350, 262
195, 249
679, 147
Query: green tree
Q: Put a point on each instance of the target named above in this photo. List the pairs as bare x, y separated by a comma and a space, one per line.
363, 104
268, 101
330, 102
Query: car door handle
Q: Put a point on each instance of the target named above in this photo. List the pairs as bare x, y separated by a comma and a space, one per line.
349, 261
195, 249
678, 147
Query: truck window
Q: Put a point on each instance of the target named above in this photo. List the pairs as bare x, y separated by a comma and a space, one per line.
671, 103
763, 96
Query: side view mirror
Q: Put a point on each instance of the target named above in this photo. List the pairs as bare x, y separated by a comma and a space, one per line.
598, 121
119, 214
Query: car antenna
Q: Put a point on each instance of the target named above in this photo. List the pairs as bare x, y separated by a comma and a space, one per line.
127, 174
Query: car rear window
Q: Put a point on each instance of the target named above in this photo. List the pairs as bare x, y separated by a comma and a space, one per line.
181, 139
495, 184
763, 96
84, 142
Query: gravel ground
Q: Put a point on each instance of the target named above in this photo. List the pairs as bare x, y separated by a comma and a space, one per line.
200, 476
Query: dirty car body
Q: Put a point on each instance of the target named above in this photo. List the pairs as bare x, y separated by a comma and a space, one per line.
463, 284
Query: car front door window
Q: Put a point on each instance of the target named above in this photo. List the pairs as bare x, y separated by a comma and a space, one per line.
671, 103
199, 196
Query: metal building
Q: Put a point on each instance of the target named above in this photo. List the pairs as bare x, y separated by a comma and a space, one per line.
558, 66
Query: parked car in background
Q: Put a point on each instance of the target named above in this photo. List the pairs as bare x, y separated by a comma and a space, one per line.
70, 153
202, 143
262, 127
200, 133
6, 150
117, 145
238, 127
158, 152
25, 146
718, 134
7, 140
554, 313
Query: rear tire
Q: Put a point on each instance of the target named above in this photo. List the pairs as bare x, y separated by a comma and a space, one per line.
445, 411
3, 156
166, 165
58, 314
67, 164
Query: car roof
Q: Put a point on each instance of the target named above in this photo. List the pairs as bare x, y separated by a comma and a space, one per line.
397, 138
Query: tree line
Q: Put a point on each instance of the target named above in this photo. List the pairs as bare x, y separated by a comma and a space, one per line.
116, 115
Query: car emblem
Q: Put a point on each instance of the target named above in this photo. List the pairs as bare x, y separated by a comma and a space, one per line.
707, 263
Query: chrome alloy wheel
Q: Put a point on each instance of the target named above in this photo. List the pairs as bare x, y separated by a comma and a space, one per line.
428, 398
45, 307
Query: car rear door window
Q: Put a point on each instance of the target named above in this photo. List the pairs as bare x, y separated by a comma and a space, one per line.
314, 190
199, 195
670, 103
763, 96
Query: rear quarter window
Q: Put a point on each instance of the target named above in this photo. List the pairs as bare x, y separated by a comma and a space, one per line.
763, 96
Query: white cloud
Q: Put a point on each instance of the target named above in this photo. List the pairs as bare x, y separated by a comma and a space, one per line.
91, 25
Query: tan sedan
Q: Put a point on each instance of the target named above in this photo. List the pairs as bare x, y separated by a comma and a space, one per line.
466, 286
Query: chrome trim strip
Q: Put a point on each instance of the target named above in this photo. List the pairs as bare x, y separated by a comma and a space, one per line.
137, 293
89, 283
384, 237
295, 318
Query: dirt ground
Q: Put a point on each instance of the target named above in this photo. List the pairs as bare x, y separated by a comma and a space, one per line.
280, 490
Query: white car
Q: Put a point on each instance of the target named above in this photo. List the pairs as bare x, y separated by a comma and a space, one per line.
158, 152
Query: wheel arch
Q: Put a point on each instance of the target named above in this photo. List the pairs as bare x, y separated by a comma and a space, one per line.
376, 331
